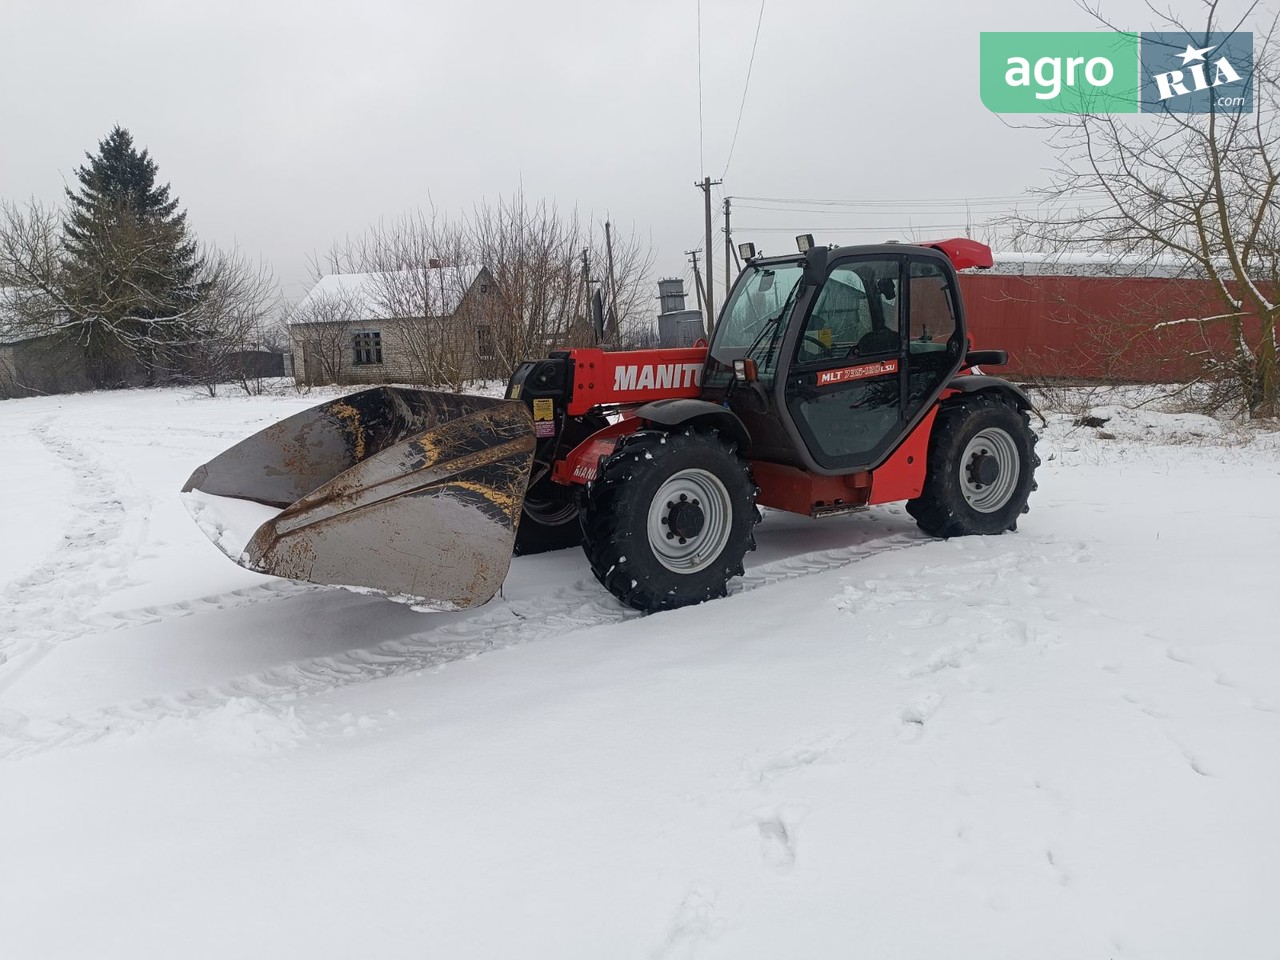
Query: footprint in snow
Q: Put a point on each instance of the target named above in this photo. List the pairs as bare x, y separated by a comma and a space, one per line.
817, 751
775, 829
920, 710
777, 844
695, 922
950, 655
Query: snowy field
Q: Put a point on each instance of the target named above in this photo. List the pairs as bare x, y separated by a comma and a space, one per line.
1059, 743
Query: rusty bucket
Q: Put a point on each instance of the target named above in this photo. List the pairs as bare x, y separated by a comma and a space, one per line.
409, 493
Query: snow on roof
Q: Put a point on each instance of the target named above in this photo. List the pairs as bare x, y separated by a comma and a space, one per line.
384, 296
9, 329
1081, 264
12, 327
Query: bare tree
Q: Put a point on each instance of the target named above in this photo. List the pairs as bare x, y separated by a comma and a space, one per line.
115, 327
322, 325
507, 282
1195, 190
546, 265
228, 323
30, 268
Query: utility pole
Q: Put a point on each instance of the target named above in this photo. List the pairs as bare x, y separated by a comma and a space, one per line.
728, 251
705, 186
586, 286
697, 277
613, 285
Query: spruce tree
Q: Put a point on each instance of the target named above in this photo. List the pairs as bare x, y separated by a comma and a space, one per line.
131, 269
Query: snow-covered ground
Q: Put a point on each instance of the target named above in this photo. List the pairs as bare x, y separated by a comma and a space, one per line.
1059, 743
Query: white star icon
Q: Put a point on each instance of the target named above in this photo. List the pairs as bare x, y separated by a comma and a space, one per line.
1193, 53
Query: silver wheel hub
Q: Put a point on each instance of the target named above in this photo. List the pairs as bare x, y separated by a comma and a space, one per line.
690, 519
989, 470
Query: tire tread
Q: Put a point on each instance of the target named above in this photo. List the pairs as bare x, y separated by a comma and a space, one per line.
940, 510
614, 504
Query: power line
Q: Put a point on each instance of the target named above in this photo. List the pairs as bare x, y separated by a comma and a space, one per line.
702, 162
950, 201
915, 201
885, 208
742, 106
987, 212
879, 228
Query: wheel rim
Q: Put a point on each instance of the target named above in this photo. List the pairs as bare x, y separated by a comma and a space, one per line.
690, 518
550, 513
989, 470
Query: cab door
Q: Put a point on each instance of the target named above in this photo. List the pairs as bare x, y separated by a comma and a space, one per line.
844, 390
881, 342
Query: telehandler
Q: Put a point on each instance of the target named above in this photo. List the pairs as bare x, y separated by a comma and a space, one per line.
836, 378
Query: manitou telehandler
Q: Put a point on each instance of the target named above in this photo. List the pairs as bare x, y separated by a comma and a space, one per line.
835, 378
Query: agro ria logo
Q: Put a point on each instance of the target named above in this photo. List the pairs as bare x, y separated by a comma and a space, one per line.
1205, 73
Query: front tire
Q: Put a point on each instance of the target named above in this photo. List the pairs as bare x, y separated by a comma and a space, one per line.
981, 468
669, 519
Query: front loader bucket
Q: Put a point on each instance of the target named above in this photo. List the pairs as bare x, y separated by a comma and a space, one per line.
409, 493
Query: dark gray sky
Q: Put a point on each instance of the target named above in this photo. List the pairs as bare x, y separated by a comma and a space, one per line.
285, 125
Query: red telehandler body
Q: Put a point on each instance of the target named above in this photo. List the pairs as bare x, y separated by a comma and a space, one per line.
835, 379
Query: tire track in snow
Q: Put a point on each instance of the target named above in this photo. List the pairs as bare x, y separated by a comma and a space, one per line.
580, 605
156, 613
44, 608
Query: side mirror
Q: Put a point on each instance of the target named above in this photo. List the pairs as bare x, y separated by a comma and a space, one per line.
986, 358
815, 266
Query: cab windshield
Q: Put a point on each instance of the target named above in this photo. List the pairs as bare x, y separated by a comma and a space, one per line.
753, 320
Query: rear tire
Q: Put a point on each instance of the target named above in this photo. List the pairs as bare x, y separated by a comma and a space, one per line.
981, 468
669, 518
549, 516
548, 520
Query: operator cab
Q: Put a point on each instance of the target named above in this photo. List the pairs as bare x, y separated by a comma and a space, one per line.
830, 357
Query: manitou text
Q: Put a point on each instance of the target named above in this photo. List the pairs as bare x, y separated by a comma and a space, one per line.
657, 376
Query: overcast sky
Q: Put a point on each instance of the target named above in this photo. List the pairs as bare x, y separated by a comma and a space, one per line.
285, 125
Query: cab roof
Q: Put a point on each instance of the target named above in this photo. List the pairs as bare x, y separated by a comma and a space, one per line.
961, 251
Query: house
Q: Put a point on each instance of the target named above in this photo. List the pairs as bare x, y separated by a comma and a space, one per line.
31, 365
433, 325
44, 356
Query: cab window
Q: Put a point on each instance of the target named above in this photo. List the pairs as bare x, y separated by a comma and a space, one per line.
856, 314
932, 336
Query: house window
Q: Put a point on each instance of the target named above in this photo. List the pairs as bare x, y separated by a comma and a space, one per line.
366, 346
485, 348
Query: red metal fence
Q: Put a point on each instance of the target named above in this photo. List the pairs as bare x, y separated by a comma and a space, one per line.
1095, 327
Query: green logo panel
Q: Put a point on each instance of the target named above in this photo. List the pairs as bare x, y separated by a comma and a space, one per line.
1059, 72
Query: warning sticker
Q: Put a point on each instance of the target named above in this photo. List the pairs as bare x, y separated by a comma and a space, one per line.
861, 372
544, 428
544, 408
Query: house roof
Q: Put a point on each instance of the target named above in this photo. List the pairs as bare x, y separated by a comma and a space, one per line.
9, 329
1082, 264
13, 329
391, 294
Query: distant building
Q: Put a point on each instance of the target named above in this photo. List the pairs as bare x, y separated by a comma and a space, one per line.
432, 325
34, 365
55, 362
677, 327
